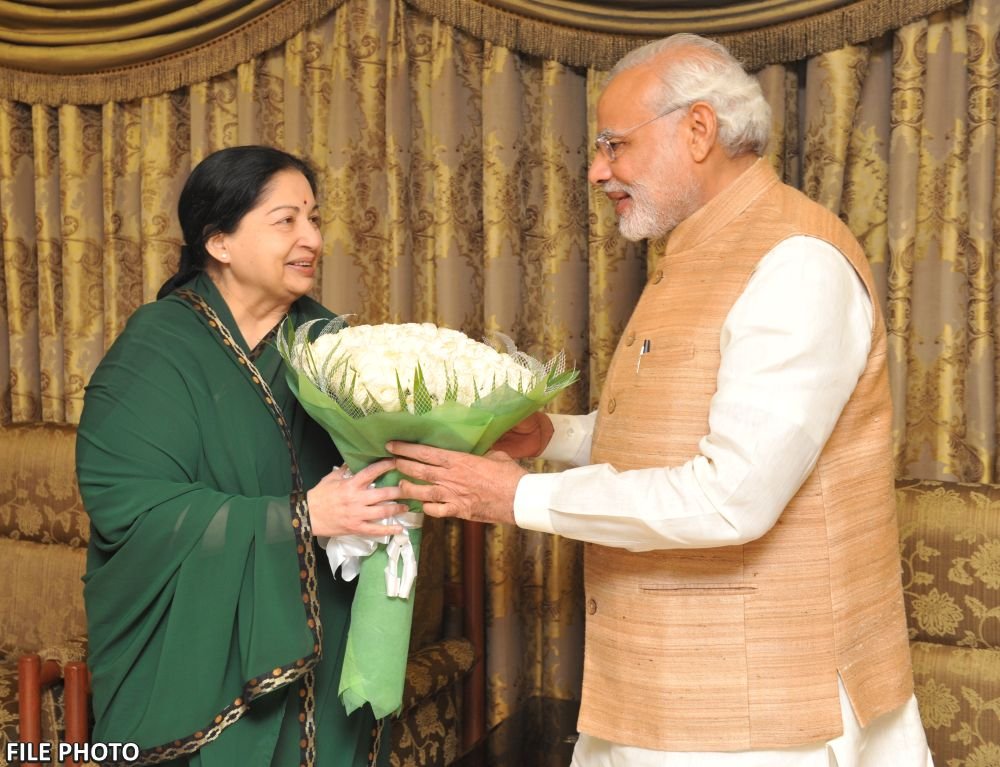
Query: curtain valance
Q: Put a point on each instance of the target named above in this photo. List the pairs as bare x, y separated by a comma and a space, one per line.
93, 51
596, 33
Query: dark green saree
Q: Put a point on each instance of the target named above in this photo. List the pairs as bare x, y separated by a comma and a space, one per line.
216, 632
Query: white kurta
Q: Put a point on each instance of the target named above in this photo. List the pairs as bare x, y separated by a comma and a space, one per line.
793, 347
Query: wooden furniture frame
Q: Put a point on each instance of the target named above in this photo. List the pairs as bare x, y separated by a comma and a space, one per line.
33, 675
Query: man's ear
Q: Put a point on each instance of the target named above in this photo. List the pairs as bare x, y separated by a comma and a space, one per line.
703, 130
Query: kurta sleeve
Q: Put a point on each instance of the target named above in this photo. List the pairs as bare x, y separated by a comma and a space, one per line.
793, 346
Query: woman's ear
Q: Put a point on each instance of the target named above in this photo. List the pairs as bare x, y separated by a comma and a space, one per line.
704, 130
216, 247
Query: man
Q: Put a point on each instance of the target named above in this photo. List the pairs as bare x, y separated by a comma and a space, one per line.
744, 604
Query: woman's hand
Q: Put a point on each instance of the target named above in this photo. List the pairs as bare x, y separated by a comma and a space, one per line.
527, 439
344, 504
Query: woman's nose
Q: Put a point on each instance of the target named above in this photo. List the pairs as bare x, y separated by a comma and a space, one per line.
311, 236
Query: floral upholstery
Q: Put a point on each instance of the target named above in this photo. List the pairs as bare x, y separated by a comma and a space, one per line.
427, 732
39, 499
950, 536
43, 538
8, 706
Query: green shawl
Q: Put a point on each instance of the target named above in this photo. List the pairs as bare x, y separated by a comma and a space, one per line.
203, 586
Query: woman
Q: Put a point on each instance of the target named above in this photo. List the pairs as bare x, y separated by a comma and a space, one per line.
216, 632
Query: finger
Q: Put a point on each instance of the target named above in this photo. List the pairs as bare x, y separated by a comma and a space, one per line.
377, 514
336, 475
416, 470
438, 510
389, 510
383, 494
373, 471
422, 453
375, 530
422, 493
402, 508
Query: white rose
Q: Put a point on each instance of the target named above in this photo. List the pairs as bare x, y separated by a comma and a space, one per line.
377, 354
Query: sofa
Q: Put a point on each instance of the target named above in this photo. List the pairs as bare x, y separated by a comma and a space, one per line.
43, 540
950, 539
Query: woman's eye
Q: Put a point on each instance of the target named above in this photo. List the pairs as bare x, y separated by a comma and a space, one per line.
315, 221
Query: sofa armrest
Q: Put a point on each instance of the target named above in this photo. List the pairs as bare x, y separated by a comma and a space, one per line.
435, 667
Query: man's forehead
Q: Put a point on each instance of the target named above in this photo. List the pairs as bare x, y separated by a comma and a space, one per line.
627, 98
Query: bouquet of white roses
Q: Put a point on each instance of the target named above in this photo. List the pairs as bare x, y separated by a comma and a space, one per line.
367, 385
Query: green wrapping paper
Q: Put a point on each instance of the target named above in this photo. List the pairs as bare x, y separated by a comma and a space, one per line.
378, 640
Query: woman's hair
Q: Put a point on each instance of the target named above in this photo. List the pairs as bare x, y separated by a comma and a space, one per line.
222, 189
708, 72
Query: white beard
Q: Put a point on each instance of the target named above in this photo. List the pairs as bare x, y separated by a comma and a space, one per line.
648, 217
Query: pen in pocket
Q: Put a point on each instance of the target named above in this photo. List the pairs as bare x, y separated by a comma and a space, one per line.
643, 350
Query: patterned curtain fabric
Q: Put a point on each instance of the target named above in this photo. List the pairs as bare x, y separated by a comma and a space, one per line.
900, 138
453, 187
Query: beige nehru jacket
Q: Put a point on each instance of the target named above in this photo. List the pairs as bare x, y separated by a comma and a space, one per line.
738, 648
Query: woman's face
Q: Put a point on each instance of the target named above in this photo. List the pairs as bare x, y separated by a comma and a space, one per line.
273, 256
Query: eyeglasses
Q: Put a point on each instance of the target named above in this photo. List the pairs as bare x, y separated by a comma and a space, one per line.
607, 141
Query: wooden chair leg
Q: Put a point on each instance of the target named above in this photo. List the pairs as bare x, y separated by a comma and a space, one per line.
474, 586
32, 675
29, 699
76, 710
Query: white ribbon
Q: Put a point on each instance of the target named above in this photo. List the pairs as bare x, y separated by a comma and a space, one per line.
400, 547
347, 551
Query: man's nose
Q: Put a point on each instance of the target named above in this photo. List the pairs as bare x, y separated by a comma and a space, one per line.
600, 169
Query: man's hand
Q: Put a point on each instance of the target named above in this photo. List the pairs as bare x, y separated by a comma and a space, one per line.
527, 439
458, 484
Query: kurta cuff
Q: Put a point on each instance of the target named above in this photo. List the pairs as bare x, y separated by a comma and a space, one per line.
531, 502
570, 441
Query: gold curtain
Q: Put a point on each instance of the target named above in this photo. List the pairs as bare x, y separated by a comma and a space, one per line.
900, 138
453, 186
92, 51
595, 33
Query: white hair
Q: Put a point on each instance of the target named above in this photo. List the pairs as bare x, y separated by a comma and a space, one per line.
708, 72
